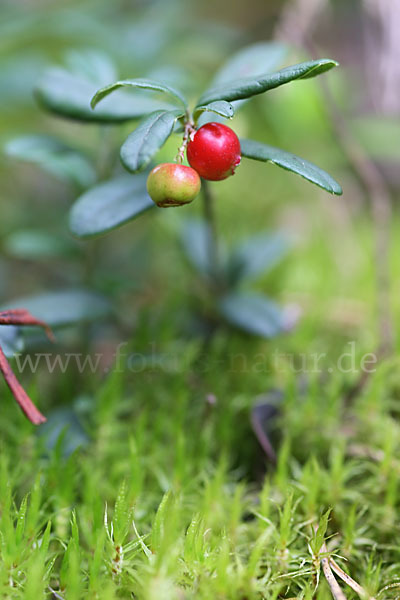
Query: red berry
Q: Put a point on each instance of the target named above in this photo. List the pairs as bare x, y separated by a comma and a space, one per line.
170, 184
214, 151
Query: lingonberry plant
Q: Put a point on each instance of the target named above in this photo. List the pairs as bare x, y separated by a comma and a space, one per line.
214, 151
111, 199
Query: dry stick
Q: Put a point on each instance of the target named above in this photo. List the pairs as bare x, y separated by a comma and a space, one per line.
330, 578
331, 565
356, 587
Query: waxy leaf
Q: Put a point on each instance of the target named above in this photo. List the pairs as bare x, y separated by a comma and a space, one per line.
195, 240
220, 107
253, 313
141, 83
54, 157
34, 244
109, 205
290, 162
256, 255
68, 94
66, 307
11, 340
93, 65
143, 143
256, 59
251, 86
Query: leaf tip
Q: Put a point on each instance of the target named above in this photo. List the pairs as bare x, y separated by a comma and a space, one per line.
338, 191
94, 101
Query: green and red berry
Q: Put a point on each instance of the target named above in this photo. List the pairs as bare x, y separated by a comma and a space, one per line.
171, 184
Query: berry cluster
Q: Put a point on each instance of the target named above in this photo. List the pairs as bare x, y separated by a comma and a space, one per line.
213, 153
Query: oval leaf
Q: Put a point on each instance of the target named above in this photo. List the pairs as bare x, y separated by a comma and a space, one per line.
109, 205
220, 107
253, 313
251, 86
256, 255
195, 240
256, 59
69, 95
31, 244
53, 157
11, 340
140, 147
141, 83
63, 308
290, 162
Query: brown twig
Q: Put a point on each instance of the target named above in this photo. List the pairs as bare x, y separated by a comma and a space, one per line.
21, 317
26, 404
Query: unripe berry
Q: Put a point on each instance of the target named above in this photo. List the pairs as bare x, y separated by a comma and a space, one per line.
214, 151
170, 184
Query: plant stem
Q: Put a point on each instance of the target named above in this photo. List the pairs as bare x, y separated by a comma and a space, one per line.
212, 242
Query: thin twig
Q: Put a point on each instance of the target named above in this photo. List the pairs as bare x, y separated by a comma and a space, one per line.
21, 317
188, 134
26, 404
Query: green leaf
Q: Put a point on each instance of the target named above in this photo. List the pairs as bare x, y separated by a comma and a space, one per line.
195, 240
122, 515
93, 65
140, 147
68, 94
109, 205
256, 59
319, 535
256, 255
54, 157
63, 308
290, 162
251, 86
63, 429
32, 244
220, 107
141, 83
11, 340
253, 313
